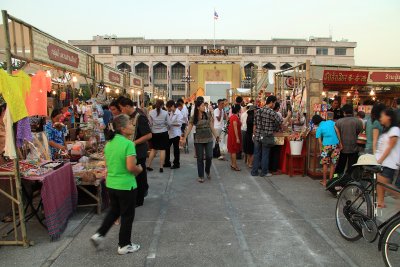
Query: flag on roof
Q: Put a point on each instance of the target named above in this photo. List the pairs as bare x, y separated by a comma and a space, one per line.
215, 15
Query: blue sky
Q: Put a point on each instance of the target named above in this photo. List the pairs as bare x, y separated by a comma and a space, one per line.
374, 25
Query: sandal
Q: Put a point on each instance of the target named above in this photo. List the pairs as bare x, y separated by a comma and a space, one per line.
235, 169
208, 176
149, 169
381, 206
200, 180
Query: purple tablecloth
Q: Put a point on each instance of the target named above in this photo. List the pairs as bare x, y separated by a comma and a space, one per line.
59, 196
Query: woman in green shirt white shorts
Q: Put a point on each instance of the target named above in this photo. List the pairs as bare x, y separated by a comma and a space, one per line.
120, 154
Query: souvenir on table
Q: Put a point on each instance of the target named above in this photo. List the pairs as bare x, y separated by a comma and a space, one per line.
317, 107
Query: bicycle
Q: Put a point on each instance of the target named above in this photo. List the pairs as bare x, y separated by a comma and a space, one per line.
356, 215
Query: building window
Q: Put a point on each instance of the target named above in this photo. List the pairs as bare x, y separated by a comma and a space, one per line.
232, 50
322, 51
283, 50
160, 49
178, 87
196, 50
104, 49
125, 50
160, 72
300, 50
248, 50
87, 49
266, 49
178, 50
143, 49
340, 51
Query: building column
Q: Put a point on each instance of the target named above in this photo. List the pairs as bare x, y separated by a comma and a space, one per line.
187, 75
169, 79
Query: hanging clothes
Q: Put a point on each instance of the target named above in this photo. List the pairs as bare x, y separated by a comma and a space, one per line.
36, 102
25, 82
11, 89
9, 147
24, 131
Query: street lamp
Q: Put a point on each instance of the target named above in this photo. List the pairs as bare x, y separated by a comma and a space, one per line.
187, 79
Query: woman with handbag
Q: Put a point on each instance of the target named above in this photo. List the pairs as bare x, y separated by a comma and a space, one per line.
203, 140
234, 136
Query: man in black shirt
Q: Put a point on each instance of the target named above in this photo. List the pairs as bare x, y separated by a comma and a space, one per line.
141, 137
337, 112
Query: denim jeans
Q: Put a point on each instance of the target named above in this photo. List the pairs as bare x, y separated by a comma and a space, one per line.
261, 156
200, 148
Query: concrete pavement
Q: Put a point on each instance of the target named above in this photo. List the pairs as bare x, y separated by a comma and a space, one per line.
233, 220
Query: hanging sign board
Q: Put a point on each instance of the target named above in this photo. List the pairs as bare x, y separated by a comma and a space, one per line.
112, 76
137, 82
384, 77
50, 50
345, 77
289, 81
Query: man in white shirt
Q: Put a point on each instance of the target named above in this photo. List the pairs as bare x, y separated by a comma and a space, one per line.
185, 114
219, 116
243, 121
175, 119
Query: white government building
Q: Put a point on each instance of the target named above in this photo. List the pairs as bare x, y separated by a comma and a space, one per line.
167, 60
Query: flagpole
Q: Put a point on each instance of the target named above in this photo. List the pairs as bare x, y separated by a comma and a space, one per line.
214, 28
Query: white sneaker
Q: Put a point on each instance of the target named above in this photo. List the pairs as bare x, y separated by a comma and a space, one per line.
268, 174
97, 239
221, 158
128, 249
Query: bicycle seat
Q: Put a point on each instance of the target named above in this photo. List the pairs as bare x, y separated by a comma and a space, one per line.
373, 168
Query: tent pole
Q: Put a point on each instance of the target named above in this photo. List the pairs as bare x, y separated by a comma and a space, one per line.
21, 211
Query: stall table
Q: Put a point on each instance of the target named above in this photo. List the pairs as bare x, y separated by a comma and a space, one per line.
59, 197
297, 164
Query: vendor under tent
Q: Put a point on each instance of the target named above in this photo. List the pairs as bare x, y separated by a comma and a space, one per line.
310, 89
43, 75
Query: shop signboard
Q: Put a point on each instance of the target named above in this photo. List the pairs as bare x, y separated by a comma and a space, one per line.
384, 77
289, 81
112, 76
345, 77
49, 50
137, 82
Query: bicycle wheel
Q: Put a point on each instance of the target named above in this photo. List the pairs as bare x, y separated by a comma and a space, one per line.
391, 245
352, 196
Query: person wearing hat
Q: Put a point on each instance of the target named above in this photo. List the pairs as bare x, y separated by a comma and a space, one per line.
329, 144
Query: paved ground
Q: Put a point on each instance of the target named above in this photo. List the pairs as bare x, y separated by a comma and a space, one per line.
233, 220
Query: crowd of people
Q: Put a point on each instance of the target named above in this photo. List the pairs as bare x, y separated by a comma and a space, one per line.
350, 134
240, 130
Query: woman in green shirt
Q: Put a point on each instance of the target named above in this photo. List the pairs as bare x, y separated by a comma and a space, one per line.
120, 154
373, 128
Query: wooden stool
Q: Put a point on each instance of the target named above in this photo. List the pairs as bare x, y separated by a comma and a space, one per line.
291, 169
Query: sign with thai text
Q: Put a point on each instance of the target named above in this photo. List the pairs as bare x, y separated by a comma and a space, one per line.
384, 77
62, 55
114, 77
137, 82
50, 50
345, 77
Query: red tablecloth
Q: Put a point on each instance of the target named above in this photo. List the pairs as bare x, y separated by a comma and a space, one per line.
286, 150
59, 196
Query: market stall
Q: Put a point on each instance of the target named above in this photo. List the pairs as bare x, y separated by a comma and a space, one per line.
44, 74
311, 89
